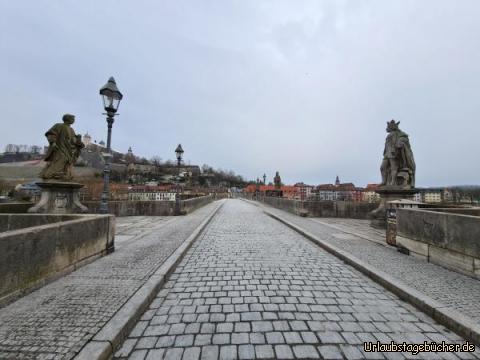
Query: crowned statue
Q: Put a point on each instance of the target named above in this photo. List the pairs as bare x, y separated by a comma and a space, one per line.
398, 165
398, 173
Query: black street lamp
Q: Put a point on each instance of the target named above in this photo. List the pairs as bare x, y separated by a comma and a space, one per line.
111, 100
178, 153
264, 179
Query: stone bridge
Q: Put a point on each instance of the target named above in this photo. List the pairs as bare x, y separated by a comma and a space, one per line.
240, 280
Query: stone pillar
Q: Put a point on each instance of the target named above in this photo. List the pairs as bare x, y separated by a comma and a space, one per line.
378, 217
59, 198
391, 223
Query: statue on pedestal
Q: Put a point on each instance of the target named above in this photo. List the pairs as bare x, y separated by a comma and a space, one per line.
398, 165
398, 173
59, 194
63, 151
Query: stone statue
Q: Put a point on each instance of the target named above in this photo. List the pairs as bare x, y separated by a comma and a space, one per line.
63, 151
398, 165
277, 180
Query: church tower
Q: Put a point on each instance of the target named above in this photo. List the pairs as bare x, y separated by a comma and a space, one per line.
87, 139
130, 158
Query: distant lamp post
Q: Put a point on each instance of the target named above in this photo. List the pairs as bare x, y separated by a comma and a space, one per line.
111, 100
179, 154
264, 179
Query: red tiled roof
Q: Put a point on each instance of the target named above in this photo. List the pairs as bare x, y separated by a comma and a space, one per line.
346, 187
371, 187
263, 188
326, 187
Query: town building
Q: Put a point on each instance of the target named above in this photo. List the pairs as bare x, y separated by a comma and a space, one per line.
370, 195
448, 195
345, 191
151, 193
339, 192
429, 195
304, 191
288, 191
418, 197
432, 196
326, 192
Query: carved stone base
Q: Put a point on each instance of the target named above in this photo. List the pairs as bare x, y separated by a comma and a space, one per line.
378, 217
59, 198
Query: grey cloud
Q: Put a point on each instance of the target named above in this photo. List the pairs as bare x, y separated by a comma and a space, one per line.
303, 87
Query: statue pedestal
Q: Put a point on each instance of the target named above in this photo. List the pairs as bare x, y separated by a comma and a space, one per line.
378, 217
59, 198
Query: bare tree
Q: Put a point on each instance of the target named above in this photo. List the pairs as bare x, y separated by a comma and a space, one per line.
156, 160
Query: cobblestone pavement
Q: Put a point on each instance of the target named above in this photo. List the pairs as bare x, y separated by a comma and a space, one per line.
251, 288
357, 227
55, 321
454, 290
129, 228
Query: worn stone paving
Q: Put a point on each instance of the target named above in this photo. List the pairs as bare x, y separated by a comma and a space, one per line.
129, 228
357, 227
251, 288
457, 291
55, 321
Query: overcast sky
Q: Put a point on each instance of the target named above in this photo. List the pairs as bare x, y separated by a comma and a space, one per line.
302, 87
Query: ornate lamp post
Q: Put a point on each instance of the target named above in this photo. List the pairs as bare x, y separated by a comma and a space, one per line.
178, 154
111, 100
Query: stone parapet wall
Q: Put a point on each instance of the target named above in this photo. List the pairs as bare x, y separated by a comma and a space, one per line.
129, 208
292, 206
32, 253
15, 208
460, 211
9, 222
446, 237
219, 196
339, 209
149, 208
193, 204
134, 208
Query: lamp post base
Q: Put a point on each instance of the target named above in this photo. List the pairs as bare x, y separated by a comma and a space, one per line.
59, 198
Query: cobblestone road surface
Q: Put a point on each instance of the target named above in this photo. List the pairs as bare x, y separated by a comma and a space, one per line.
358, 227
251, 288
454, 290
129, 228
55, 321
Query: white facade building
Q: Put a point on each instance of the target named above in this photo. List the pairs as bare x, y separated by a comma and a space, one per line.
151, 196
370, 196
417, 197
430, 196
